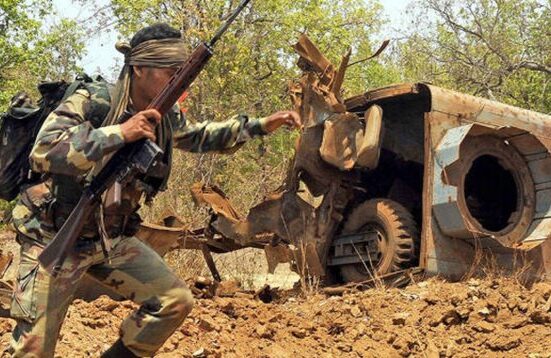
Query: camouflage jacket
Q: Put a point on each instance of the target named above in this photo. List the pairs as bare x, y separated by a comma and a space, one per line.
68, 146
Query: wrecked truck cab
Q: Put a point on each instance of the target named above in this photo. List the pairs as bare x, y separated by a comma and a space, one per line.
401, 176
486, 182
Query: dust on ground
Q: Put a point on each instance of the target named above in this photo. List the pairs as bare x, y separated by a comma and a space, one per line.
431, 318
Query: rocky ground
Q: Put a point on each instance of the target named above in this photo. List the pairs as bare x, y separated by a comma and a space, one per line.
430, 318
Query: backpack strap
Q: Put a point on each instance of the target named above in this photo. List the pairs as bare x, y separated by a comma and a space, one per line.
71, 89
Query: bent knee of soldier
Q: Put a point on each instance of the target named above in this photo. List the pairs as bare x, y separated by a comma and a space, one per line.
181, 300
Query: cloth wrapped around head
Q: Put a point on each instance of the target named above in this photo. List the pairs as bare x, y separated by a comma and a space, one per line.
170, 52
155, 53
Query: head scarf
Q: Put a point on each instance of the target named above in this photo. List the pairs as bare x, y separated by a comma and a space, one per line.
153, 53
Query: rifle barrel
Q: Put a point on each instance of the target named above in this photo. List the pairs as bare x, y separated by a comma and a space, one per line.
228, 22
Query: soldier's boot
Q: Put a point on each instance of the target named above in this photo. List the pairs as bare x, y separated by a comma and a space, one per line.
118, 350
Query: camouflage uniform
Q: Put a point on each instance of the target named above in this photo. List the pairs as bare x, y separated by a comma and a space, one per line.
67, 147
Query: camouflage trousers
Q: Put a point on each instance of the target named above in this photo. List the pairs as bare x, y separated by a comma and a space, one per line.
133, 270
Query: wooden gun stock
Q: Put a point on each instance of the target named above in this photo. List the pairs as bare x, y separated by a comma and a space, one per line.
54, 254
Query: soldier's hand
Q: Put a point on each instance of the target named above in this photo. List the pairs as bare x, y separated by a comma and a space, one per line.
141, 125
290, 119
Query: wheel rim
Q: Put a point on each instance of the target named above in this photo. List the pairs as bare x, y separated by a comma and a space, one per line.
366, 268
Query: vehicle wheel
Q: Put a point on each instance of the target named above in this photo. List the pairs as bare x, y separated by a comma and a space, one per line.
397, 238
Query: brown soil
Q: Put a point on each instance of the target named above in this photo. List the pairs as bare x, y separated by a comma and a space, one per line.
430, 319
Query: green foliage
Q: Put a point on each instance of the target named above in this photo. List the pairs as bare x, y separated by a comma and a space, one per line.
5, 205
61, 47
5, 209
500, 49
255, 60
29, 52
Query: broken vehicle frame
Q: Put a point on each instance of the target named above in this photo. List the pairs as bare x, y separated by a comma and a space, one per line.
472, 174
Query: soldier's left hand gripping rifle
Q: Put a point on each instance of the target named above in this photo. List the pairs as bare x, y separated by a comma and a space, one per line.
138, 157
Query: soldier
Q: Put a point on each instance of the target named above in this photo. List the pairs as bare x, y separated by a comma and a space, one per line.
68, 148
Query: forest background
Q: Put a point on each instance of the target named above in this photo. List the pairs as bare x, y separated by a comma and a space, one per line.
499, 49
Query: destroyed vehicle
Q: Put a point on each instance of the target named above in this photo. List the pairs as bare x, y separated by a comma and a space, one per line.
401, 176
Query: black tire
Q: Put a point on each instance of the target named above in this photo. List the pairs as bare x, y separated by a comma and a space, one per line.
398, 236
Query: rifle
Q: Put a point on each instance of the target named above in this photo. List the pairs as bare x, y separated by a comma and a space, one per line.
138, 157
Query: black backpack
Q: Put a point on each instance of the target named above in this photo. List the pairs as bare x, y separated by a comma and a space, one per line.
20, 124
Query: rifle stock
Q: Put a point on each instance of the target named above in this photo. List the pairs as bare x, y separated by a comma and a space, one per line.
55, 251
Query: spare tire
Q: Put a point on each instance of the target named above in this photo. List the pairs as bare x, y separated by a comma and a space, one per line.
397, 236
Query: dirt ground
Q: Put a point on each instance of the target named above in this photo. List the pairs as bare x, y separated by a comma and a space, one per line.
431, 318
